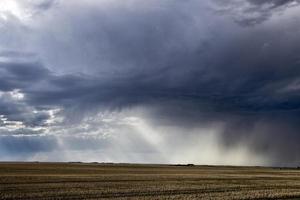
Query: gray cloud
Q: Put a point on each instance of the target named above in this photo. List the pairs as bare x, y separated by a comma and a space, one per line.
273, 3
254, 12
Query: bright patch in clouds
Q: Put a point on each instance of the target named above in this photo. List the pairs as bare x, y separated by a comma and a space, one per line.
11, 7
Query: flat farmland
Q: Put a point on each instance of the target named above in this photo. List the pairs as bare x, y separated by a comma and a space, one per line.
129, 181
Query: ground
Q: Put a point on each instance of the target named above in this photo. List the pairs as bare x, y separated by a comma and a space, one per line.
126, 181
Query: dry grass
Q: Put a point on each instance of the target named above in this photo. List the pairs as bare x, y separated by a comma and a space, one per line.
108, 181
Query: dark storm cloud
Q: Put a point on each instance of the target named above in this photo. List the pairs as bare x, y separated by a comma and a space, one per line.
273, 3
149, 58
17, 77
186, 71
167, 77
20, 75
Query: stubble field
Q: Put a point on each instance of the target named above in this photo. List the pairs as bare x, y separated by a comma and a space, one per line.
125, 181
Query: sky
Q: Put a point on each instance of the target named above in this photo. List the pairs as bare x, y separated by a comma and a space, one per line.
212, 82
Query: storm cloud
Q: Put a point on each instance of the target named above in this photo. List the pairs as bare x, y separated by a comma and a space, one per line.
127, 81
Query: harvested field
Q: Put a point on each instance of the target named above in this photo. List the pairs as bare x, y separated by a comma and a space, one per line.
126, 181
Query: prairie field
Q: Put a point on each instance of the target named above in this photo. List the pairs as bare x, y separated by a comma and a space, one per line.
133, 181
